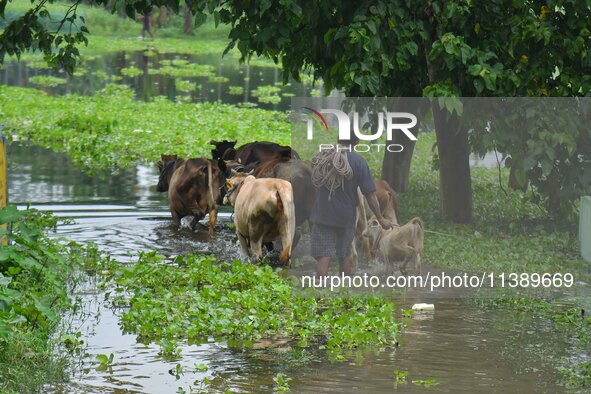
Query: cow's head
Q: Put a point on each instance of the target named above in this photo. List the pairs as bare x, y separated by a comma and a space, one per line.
220, 148
233, 186
166, 166
373, 231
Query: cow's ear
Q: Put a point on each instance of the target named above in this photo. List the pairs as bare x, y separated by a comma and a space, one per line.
223, 167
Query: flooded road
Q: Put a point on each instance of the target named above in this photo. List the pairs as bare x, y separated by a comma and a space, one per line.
461, 347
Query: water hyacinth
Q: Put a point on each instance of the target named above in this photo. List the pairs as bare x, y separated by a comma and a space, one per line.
199, 297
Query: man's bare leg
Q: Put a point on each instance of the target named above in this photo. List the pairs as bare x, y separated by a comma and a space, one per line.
345, 264
322, 266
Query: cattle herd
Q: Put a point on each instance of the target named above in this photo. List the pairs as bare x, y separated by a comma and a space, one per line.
271, 191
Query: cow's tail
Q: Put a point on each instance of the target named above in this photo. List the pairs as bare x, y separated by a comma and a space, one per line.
210, 184
419, 230
286, 209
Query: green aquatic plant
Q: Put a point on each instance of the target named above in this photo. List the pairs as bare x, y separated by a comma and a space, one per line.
169, 349
186, 71
47, 80
281, 383
36, 276
425, 382
198, 297
236, 90
268, 94
104, 362
218, 79
111, 130
400, 376
132, 71
577, 375
184, 86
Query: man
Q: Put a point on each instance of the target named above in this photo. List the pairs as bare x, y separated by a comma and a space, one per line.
337, 174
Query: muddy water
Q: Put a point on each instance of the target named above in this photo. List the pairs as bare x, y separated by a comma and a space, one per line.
461, 347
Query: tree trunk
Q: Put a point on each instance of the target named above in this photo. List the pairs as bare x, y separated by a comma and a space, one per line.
396, 166
188, 26
162, 19
455, 185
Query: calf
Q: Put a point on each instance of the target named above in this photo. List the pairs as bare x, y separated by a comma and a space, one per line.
263, 212
403, 243
194, 190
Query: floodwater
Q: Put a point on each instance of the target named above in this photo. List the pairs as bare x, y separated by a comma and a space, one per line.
461, 347
222, 79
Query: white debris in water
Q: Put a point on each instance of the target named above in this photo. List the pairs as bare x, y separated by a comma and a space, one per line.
423, 307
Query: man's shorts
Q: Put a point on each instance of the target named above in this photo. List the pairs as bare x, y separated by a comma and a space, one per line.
331, 241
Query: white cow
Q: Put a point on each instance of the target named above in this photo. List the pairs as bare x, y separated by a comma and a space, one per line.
263, 212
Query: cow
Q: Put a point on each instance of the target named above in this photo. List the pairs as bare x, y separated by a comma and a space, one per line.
220, 147
253, 152
388, 200
263, 212
400, 243
299, 174
167, 165
194, 190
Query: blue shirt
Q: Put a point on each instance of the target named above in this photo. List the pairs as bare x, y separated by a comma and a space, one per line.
341, 209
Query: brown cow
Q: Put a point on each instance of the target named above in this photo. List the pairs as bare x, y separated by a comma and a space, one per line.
194, 190
263, 212
388, 200
167, 165
256, 152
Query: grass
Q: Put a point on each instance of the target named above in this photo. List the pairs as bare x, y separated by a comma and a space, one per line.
36, 276
112, 33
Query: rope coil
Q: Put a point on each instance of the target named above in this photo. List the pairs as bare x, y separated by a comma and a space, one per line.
330, 168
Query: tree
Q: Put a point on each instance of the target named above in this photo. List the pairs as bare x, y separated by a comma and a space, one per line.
396, 48
188, 23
